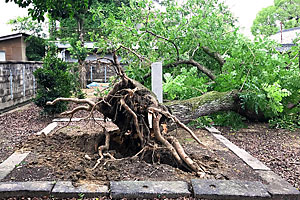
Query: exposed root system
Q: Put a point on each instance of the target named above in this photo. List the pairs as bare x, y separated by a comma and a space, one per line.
143, 122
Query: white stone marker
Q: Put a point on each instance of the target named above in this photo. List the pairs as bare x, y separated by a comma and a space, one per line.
156, 80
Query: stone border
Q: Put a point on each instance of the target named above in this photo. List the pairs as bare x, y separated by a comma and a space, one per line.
242, 154
11, 162
48, 129
77, 119
276, 187
200, 188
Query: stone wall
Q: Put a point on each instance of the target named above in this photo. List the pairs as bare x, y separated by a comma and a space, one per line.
17, 82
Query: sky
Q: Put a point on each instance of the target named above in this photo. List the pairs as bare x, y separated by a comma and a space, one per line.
244, 10
9, 11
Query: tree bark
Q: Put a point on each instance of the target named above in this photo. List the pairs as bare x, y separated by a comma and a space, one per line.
209, 103
82, 70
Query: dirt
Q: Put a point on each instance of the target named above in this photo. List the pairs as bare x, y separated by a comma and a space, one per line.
69, 154
17, 125
279, 149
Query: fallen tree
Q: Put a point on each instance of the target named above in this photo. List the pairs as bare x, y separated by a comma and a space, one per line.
142, 121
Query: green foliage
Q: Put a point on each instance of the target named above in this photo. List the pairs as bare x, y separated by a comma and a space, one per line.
229, 119
188, 83
55, 8
275, 95
35, 49
53, 80
137, 73
202, 122
291, 122
267, 21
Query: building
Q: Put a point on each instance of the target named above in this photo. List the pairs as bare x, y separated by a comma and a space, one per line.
13, 47
94, 70
286, 38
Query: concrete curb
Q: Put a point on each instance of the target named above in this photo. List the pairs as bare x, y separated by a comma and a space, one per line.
48, 129
148, 189
11, 162
199, 188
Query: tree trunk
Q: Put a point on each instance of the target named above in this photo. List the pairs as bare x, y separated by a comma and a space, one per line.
82, 69
209, 103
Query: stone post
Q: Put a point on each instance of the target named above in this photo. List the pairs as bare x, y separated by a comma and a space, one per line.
156, 80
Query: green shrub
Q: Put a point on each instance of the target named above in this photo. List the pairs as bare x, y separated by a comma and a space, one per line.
53, 80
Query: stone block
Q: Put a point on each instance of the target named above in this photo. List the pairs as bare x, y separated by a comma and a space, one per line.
229, 189
148, 189
10, 163
241, 153
277, 187
65, 189
25, 189
48, 129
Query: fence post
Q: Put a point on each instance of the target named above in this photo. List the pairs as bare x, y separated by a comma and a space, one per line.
24, 82
105, 74
91, 68
156, 80
11, 84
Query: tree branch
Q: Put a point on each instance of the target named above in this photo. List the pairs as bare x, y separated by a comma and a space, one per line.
166, 39
214, 55
194, 63
142, 58
75, 100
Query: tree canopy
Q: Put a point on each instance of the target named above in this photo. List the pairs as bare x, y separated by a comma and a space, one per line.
267, 21
201, 51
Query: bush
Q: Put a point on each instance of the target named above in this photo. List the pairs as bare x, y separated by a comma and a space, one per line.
53, 80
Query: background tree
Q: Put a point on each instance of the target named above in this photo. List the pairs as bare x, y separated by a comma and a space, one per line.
36, 43
267, 21
57, 10
76, 20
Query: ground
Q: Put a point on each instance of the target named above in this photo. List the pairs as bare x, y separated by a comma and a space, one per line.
279, 149
65, 155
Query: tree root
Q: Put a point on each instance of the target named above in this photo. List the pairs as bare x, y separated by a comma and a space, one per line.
137, 113
169, 115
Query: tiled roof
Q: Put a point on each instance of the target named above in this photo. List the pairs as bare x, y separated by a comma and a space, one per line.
12, 36
288, 35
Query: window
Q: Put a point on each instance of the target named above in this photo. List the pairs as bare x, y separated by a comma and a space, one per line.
2, 56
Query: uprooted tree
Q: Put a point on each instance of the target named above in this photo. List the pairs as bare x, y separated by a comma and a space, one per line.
204, 57
142, 121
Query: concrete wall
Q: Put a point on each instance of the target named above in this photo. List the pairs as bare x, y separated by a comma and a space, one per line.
17, 83
15, 49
